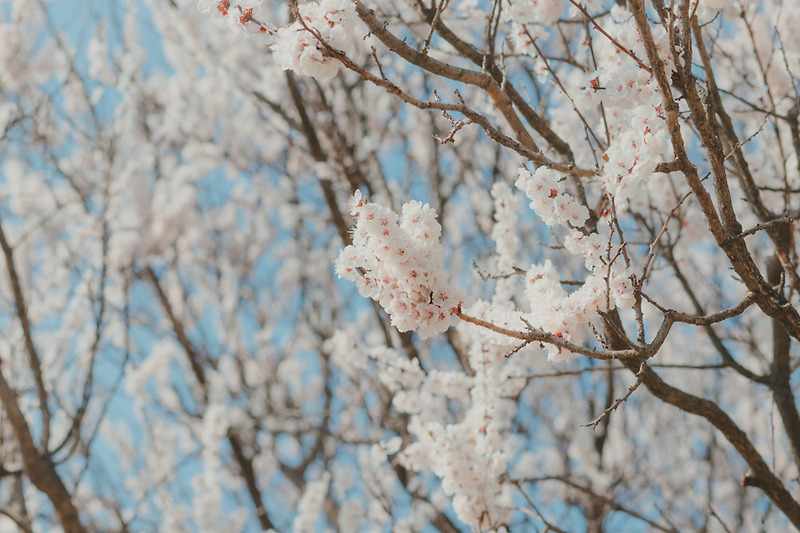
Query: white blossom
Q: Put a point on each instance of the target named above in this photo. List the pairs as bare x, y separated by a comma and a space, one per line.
298, 47
397, 262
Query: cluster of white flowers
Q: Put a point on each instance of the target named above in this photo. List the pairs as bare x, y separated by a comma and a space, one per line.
470, 456
469, 468
311, 504
534, 11
301, 45
609, 283
633, 109
297, 48
397, 261
636, 151
562, 314
504, 234
545, 189
523, 36
470, 453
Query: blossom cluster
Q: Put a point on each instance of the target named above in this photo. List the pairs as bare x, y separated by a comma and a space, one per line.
310, 505
609, 283
562, 314
534, 11
397, 261
296, 46
545, 189
634, 113
469, 453
301, 46
506, 239
471, 471
637, 150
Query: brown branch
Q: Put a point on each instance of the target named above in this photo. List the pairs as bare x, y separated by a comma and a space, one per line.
771, 302
536, 335
315, 147
760, 227
745, 176
537, 121
34, 362
727, 357
22, 522
616, 43
495, 134
606, 500
248, 473
619, 401
536, 513
769, 483
780, 372
244, 463
179, 329
38, 467
469, 77
706, 320
427, 43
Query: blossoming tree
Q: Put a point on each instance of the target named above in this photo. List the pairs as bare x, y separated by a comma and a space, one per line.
421, 265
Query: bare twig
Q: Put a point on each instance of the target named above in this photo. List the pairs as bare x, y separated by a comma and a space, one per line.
639, 377
599, 28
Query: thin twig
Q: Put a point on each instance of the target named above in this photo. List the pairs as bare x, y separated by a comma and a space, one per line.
639, 378
609, 37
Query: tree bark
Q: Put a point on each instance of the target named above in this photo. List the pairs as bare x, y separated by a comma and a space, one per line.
39, 468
